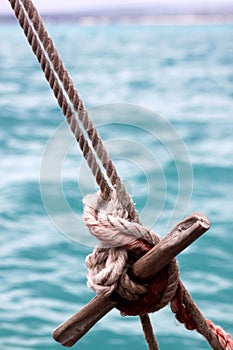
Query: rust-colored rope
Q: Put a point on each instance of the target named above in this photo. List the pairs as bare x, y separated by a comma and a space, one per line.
121, 244
70, 103
187, 312
54, 70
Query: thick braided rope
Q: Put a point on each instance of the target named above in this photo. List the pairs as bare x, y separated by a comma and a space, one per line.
187, 312
108, 264
224, 339
56, 62
78, 106
107, 272
88, 126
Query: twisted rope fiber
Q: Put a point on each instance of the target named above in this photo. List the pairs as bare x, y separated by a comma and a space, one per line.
191, 316
146, 325
225, 339
62, 101
78, 106
108, 264
187, 312
121, 244
46, 66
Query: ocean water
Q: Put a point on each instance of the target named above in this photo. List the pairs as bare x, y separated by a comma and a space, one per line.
161, 97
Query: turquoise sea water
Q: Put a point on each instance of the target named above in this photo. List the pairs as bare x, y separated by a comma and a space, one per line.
183, 72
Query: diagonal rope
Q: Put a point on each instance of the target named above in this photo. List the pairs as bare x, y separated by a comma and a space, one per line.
58, 77
60, 96
187, 312
41, 43
72, 106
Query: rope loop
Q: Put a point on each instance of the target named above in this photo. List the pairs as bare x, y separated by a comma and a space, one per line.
121, 243
116, 224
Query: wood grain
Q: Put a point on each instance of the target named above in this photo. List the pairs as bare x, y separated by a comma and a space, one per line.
185, 233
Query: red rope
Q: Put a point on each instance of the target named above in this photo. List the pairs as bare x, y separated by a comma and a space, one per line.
180, 310
183, 316
224, 339
148, 302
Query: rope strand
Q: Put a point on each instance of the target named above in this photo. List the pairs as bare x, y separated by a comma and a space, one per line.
72, 93
148, 332
72, 105
187, 312
38, 37
61, 98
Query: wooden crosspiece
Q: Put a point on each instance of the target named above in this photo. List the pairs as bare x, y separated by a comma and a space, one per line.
160, 255
185, 233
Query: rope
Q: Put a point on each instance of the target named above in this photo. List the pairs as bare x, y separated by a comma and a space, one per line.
148, 332
187, 312
224, 339
59, 94
62, 86
121, 243
113, 211
108, 264
63, 89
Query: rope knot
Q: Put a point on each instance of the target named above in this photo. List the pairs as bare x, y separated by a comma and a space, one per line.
121, 243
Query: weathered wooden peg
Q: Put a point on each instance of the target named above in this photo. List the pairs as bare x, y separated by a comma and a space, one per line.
184, 233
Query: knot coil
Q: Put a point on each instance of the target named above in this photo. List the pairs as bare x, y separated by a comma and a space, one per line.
121, 243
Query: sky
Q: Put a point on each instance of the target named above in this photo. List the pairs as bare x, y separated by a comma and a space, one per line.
45, 6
